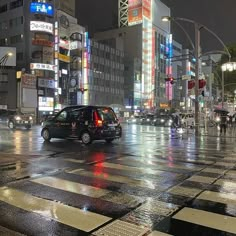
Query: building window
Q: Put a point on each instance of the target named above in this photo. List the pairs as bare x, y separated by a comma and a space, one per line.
3, 25
16, 39
3, 42
19, 56
16, 4
4, 78
16, 21
3, 8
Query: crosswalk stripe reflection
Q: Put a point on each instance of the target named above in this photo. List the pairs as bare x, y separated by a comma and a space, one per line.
67, 215
207, 219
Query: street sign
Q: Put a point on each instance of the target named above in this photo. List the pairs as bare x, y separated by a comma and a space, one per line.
186, 77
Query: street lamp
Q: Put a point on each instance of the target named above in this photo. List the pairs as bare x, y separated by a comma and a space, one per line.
229, 66
196, 48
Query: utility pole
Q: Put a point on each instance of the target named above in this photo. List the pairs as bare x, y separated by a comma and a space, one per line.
197, 56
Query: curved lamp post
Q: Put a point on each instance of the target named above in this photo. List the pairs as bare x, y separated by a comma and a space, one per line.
196, 48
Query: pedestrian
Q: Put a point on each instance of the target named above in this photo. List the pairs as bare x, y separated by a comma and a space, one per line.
223, 122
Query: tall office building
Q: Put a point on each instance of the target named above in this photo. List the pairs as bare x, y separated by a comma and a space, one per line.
147, 44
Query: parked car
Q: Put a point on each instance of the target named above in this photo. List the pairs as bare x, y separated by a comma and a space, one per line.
86, 123
163, 120
147, 119
14, 119
187, 119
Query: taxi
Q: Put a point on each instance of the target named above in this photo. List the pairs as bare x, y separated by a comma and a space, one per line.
86, 123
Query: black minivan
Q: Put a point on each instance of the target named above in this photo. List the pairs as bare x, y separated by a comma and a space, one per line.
86, 123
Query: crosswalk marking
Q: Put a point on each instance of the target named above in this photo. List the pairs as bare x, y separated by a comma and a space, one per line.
74, 160
71, 186
207, 219
171, 165
117, 178
131, 168
183, 191
226, 183
225, 198
213, 170
221, 163
121, 228
202, 179
67, 215
231, 174
158, 233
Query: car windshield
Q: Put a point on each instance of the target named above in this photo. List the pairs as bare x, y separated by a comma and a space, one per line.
106, 114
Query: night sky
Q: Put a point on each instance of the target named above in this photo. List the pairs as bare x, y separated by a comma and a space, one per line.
217, 15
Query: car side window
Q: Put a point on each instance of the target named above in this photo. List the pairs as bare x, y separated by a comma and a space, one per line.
62, 116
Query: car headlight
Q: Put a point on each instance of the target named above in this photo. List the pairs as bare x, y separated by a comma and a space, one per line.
162, 120
148, 119
217, 119
155, 120
17, 117
170, 121
31, 118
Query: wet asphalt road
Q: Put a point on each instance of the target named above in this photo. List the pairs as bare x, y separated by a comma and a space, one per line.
151, 182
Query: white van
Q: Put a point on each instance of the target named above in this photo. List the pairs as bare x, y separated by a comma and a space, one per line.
187, 119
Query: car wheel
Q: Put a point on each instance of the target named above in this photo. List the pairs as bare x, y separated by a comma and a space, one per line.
109, 140
46, 135
86, 138
11, 125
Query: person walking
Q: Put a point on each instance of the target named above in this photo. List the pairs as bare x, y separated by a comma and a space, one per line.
223, 122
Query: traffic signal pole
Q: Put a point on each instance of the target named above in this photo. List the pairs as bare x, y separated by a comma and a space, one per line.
197, 56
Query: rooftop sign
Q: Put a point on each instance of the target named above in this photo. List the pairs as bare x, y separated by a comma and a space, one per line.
41, 8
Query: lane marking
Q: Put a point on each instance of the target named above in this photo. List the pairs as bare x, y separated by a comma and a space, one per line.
72, 187
225, 198
74, 217
207, 219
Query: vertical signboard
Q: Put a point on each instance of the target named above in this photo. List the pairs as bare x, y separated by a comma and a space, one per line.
147, 7
135, 14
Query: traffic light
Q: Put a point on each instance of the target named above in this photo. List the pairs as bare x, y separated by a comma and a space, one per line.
82, 90
170, 79
203, 94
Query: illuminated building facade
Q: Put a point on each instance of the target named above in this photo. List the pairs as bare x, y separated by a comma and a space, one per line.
148, 50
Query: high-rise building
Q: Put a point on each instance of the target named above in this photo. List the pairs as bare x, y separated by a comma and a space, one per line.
147, 44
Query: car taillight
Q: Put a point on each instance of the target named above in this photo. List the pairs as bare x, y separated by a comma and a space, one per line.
98, 122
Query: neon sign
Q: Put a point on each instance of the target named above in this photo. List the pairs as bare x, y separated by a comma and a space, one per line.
41, 26
41, 8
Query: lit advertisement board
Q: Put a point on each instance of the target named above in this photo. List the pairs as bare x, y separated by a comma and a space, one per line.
147, 8
41, 66
46, 103
135, 14
41, 26
41, 8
